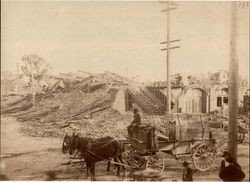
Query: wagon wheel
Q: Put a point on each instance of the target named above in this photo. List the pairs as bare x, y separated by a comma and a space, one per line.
156, 164
204, 157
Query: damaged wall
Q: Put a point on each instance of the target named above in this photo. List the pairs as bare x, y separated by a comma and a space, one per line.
119, 103
193, 101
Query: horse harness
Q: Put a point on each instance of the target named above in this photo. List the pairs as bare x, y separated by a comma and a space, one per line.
90, 143
88, 151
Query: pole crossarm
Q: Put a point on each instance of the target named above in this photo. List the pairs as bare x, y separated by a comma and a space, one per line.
169, 9
175, 47
168, 2
170, 41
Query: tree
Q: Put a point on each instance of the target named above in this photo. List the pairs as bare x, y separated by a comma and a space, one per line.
35, 63
35, 68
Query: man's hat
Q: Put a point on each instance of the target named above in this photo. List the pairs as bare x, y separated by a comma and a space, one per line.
230, 159
225, 153
135, 110
185, 163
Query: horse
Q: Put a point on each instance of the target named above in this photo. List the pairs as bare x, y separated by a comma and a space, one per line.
66, 143
65, 149
67, 140
95, 150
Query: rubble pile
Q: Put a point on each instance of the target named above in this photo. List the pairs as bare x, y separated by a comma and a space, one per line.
159, 122
6, 102
67, 100
106, 123
75, 102
44, 132
218, 116
219, 125
109, 123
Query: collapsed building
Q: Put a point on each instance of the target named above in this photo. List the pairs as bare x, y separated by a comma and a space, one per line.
99, 104
192, 96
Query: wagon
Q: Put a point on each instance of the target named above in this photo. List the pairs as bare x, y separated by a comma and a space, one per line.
187, 138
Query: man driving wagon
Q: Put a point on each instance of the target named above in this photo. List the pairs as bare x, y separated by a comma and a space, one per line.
136, 122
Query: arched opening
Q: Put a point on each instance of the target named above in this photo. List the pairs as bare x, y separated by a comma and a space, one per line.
193, 101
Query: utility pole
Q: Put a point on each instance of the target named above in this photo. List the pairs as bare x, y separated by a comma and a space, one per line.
233, 79
209, 95
168, 106
33, 89
233, 83
18, 86
167, 64
222, 101
6, 86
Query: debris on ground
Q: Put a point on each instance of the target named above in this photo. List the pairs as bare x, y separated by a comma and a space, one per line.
76, 102
69, 102
219, 120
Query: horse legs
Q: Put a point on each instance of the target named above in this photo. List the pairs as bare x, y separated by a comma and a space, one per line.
119, 156
92, 170
108, 166
83, 162
87, 169
117, 166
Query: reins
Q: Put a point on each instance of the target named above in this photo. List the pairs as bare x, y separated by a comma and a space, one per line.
104, 144
89, 144
88, 151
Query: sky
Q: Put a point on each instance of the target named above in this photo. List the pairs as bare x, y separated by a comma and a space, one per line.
122, 37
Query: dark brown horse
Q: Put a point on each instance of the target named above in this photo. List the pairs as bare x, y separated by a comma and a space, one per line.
65, 149
100, 149
66, 143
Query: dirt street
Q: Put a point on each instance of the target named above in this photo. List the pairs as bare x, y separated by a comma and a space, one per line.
30, 158
24, 157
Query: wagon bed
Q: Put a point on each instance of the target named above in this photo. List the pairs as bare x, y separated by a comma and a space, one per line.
187, 138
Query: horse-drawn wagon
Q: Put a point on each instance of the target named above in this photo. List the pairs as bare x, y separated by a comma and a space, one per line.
187, 138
